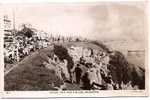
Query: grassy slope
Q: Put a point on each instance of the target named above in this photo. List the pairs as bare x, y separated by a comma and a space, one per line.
30, 75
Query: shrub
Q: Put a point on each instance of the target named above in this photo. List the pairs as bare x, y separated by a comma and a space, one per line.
62, 54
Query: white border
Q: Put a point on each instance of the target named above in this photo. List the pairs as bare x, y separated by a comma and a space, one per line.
60, 1
46, 94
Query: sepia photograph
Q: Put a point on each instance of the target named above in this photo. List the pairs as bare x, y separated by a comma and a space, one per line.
98, 46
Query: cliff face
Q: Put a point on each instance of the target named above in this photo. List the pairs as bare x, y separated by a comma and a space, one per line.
123, 71
31, 73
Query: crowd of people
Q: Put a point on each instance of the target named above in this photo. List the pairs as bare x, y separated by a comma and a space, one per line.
22, 47
90, 70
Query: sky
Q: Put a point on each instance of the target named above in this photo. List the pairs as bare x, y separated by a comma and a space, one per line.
101, 21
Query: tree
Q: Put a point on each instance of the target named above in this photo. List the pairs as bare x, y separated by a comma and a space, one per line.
62, 54
26, 31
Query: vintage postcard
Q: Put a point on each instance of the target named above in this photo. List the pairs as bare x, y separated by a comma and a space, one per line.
81, 49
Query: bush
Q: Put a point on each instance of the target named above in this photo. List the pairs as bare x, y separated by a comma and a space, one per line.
62, 54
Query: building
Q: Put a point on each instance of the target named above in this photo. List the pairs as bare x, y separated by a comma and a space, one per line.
8, 36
